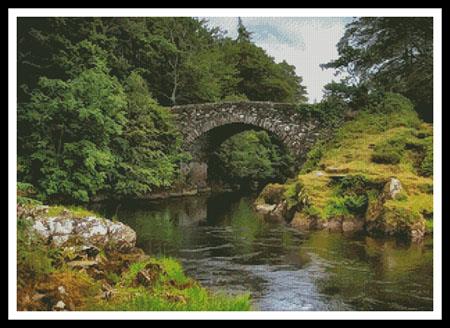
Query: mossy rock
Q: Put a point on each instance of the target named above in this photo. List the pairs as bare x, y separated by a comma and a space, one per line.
273, 193
303, 222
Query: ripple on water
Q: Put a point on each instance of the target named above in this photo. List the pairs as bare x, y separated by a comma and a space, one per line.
282, 268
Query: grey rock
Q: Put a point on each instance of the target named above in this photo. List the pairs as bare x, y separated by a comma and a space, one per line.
265, 208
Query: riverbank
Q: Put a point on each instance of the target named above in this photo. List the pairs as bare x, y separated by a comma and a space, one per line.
374, 174
72, 259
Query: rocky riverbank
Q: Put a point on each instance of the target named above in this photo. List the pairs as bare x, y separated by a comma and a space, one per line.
73, 259
375, 175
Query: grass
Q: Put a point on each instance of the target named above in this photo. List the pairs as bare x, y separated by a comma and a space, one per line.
171, 290
74, 211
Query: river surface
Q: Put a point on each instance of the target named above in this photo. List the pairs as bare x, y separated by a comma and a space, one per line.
226, 246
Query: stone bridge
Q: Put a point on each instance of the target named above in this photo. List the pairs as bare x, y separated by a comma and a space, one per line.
205, 126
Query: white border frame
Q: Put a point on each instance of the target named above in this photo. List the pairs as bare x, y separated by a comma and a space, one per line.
336, 12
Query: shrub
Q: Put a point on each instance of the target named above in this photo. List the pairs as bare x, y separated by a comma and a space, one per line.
313, 158
291, 194
389, 151
312, 211
356, 204
426, 166
390, 103
346, 205
386, 155
26, 194
235, 98
335, 207
355, 183
33, 259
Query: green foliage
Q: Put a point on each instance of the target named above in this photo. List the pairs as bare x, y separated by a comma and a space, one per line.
197, 299
353, 183
33, 257
343, 206
74, 211
182, 59
312, 211
65, 131
328, 113
390, 54
426, 165
89, 88
172, 291
313, 158
392, 150
351, 196
26, 194
388, 152
149, 148
251, 156
234, 98
291, 194
335, 207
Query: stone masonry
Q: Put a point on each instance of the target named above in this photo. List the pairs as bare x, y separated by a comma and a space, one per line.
199, 124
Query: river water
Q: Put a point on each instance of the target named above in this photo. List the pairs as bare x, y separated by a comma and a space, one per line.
226, 246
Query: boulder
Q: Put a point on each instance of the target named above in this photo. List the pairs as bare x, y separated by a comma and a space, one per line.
265, 208
417, 231
393, 188
89, 231
302, 222
334, 225
352, 225
279, 212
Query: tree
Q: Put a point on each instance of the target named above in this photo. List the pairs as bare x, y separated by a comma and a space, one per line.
243, 34
149, 148
392, 54
251, 156
64, 134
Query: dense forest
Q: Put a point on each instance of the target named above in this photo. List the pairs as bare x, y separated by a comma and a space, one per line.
93, 95
91, 91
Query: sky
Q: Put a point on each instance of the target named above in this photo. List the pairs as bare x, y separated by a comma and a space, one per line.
305, 42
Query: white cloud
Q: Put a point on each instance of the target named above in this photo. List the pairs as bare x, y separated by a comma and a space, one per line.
305, 42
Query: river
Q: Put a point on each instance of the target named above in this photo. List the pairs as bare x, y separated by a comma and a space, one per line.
226, 246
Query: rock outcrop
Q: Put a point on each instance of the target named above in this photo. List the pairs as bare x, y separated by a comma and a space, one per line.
384, 214
66, 230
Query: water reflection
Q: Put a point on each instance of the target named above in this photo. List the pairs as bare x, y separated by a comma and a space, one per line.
225, 245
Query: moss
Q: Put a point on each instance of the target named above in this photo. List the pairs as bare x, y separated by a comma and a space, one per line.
73, 211
387, 153
389, 132
292, 193
271, 194
400, 217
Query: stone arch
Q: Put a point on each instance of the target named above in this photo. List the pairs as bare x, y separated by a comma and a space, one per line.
292, 128
295, 131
